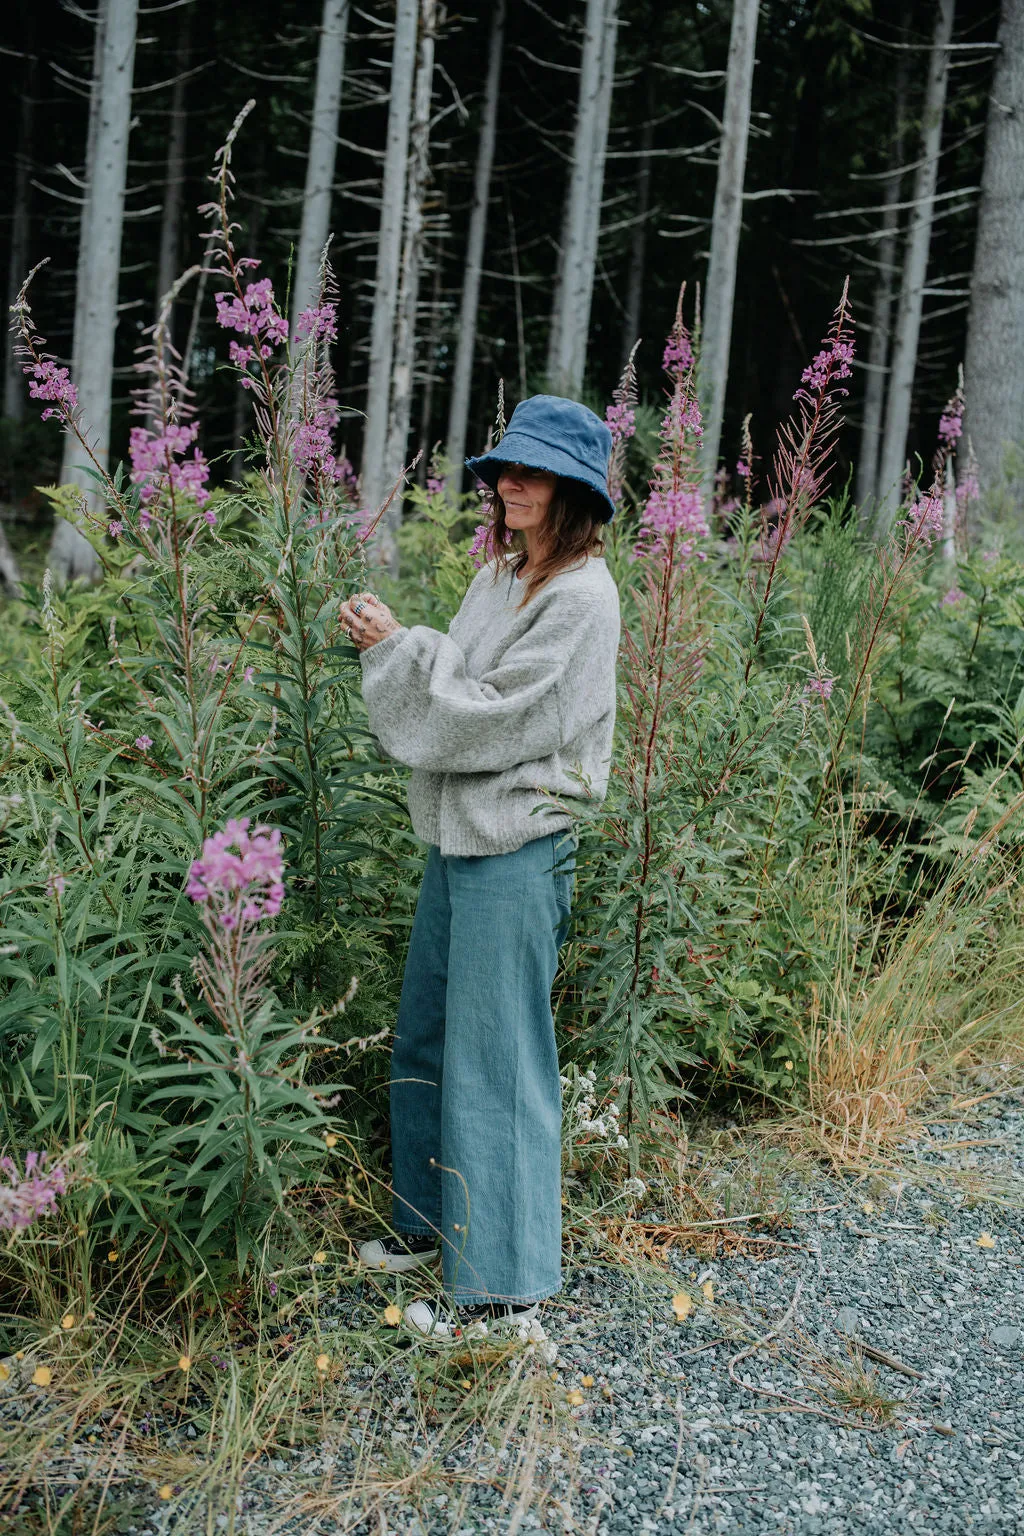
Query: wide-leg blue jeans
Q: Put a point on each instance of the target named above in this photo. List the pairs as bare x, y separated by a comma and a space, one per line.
476, 1102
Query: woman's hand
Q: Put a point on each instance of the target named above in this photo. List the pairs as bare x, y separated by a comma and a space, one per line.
366, 620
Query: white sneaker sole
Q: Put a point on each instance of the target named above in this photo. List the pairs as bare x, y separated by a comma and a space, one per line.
419, 1315
373, 1255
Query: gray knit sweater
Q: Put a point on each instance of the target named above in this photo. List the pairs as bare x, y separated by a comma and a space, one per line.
509, 703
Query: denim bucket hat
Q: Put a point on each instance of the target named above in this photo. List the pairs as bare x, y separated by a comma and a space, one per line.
547, 432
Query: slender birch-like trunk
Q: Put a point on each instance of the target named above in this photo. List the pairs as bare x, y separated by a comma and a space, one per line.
726, 220
70, 553
462, 376
580, 328
581, 182
881, 311
15, 391
994, 371
915, 268
323, 143
174, 172
385, 290
412, 260
638, 244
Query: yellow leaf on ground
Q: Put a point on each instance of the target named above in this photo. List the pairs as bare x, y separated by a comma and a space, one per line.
986, 1240
465, 1383
682, 1306
322, 1362
392, 1315
164, 1491
574, 1398
5, 1374
184, 1362
42, 1376
588, 1381
320, 1257
68, 1320
709, 1290
330, 1140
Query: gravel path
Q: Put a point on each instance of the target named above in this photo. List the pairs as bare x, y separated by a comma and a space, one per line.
859, 1370
686, 1436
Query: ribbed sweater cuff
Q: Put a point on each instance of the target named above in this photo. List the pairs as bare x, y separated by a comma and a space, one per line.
375, 654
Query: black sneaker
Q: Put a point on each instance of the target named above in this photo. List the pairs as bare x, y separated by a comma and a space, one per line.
398, 1252
440, 1320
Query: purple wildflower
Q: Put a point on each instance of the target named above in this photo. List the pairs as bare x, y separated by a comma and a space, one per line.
48, 382
951, 423
435, 485
239, 873
253, 315
156, 468
247, 675
924, 519
822, 686
55, 885
621, 421
678, 354
25, 1197
143, 743
952, 597
743, 469
832, 363
319, 322
115, 528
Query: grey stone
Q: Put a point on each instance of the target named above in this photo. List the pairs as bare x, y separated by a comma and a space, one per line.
1004, 1338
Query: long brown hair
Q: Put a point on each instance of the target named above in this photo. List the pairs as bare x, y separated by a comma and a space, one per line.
571, 530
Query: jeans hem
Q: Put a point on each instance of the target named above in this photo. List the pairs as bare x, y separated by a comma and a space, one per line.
474, 1298
409, 1231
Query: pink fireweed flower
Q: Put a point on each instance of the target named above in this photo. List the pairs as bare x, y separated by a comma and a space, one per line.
990, 556
159, 465
247, 675
320, 322
48, 382
239, 874
832, 362
435, 486
621, 421
924, 518
967, 491
743, 469
678, 354
143, 743
952, 597
253, 315
55, 885
821, 686
26, 1197
115, 528
950, 426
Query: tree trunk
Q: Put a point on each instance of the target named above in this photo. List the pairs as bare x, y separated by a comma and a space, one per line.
9, 574
385, 291
638, 244
174, 172
18, 255
915, 269
462, 376
580, 329
726, 219
994, 373
881, 311
430, 371
323, 142
569, 282
96, 307
412, 254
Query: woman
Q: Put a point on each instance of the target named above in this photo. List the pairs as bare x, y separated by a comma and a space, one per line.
517, 699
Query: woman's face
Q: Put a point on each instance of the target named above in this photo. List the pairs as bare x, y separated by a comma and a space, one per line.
527, 495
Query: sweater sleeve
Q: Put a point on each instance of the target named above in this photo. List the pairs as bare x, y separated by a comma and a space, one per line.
429, 713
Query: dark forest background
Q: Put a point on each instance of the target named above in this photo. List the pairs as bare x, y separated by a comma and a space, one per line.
821, 132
